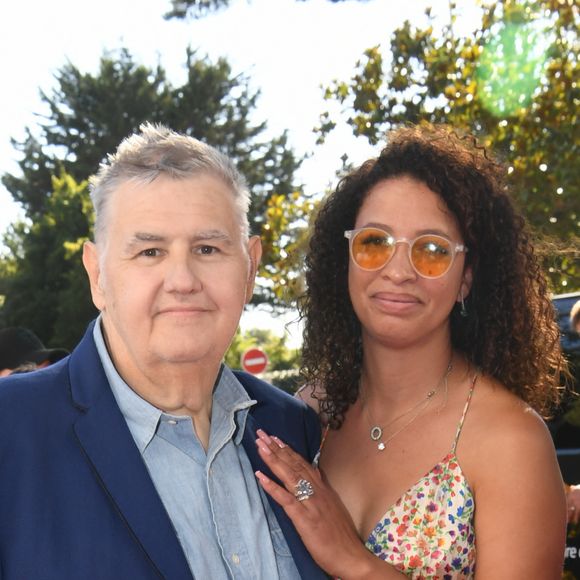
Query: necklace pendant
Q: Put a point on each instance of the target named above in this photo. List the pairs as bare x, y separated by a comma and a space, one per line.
376, 433
381, 446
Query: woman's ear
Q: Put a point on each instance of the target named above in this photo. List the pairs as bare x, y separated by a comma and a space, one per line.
466, 281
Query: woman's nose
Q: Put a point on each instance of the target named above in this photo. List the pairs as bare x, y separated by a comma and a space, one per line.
399, 267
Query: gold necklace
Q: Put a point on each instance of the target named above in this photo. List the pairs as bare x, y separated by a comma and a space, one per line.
376, 431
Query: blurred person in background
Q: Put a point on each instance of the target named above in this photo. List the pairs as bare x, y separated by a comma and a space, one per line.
575, 317
21, 349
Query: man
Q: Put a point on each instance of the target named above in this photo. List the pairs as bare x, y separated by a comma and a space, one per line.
134, 458
21, 348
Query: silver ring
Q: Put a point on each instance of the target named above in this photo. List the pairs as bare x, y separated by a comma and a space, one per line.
303, 489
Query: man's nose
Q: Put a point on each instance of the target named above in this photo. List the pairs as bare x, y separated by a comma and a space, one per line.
182, 276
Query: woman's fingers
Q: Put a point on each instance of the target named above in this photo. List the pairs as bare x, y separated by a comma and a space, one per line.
287, 465
296, 475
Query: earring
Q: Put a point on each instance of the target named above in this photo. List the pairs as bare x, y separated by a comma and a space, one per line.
463, 309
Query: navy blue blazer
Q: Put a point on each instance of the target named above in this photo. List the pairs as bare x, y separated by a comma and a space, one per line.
76, 499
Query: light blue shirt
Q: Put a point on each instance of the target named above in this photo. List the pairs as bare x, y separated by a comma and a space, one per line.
222, 518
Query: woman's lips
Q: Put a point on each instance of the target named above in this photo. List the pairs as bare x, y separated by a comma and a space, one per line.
395, 302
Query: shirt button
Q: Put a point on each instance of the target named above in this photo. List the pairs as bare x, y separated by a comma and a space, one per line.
235, 559
172, 422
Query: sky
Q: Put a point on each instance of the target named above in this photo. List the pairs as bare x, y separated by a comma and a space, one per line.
288, 49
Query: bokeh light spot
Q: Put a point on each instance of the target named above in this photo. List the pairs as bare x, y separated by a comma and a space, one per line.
510, 67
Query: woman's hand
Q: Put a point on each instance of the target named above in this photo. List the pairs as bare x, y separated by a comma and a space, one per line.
317, 513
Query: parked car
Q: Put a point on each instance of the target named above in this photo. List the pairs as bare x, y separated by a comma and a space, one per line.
564, 427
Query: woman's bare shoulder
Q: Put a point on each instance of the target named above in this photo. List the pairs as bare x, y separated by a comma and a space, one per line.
495, 404
503, 428
311, 396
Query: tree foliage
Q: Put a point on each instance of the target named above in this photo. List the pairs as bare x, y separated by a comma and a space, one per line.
284, 238
513, 82
88, 116
201, 8
43, 280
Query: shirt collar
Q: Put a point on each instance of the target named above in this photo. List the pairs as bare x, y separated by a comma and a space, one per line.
230, 399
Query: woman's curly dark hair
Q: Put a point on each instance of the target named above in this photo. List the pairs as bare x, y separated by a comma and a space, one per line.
510, 332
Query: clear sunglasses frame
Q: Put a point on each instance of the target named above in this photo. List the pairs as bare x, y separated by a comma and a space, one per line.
454, 246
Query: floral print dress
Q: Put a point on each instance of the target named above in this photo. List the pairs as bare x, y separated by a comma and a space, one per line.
428, 533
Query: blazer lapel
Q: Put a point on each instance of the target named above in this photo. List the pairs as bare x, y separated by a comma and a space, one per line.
108, 445
303, 560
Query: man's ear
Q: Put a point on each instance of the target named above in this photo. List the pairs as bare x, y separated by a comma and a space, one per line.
255, 255
93, 268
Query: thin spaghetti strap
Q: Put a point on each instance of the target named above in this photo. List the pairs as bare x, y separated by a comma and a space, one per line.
316, 459
460, 426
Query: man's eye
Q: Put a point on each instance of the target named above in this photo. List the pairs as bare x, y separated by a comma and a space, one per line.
208, 250
150, 252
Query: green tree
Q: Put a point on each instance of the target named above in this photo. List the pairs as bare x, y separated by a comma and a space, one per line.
88, 116
513, 82
201, 8
284, 239
42, 275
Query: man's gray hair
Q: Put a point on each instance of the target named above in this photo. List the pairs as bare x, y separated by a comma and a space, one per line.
157, 150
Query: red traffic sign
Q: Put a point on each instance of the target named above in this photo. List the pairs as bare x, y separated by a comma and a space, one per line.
254, 361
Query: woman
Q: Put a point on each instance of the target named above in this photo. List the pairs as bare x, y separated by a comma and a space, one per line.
430, 348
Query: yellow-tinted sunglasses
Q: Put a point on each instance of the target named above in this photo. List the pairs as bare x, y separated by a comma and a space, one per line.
430, 255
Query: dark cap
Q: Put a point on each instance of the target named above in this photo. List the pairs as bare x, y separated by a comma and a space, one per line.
19, 345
